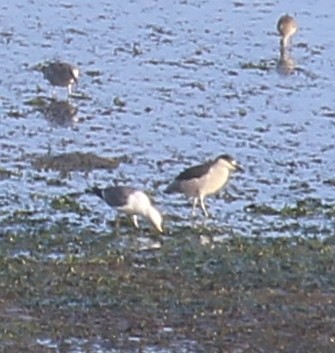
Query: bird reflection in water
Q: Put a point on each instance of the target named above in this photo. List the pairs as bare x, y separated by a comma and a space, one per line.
61, 113
286, 64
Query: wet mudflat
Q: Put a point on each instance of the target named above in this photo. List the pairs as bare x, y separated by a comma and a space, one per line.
240, 295
162, 88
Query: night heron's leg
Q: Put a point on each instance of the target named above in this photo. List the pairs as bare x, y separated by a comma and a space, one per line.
135, 220
203, 206
195, 202
53, 93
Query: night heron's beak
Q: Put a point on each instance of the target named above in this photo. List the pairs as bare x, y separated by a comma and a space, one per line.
239, 168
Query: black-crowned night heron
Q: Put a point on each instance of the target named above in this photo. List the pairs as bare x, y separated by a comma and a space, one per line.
287, 26
131, 201
61, 74
205, 179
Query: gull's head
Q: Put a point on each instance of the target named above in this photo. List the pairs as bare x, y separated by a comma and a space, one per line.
156, 219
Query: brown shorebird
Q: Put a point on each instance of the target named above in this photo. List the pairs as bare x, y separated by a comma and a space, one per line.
287, 26
61, 74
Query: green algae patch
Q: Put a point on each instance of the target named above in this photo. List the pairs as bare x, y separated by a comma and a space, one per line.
6, 174
40, 103
301, 208
76, 161
262, 209
66, 203
16, 114
93, 73
261, 65
243, 292
119, 102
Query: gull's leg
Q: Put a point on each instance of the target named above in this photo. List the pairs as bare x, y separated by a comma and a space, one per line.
135, 220
203, 206
195, 202
117, 223
69, 89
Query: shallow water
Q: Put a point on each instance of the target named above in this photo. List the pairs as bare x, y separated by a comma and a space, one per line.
184, 73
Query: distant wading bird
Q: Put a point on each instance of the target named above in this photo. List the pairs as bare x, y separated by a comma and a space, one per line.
205, 179
131, 201
61, 74
287, 26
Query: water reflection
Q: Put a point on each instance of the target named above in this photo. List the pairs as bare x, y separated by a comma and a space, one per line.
61, 113
286, 63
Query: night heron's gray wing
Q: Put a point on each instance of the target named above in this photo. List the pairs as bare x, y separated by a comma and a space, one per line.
188, 175
195, 172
